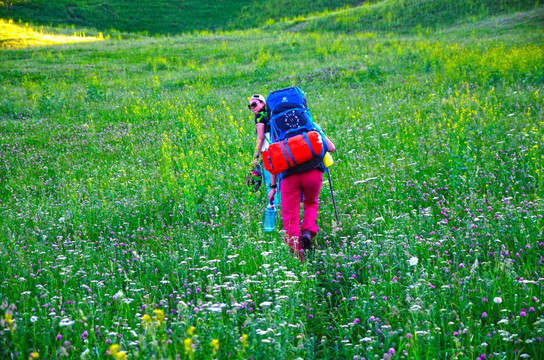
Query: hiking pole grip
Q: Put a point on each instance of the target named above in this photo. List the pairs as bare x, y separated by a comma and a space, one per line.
332, 194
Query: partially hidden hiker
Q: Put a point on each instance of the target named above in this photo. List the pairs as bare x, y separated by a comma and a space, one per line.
295, 157
257, 105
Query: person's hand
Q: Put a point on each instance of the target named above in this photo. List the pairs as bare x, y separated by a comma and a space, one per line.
271, 194
255, 161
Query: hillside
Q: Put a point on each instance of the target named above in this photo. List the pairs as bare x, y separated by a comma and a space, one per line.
408, 16
162, 16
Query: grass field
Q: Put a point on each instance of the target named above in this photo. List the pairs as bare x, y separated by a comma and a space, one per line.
126, 230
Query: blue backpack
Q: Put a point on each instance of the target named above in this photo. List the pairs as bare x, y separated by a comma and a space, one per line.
289, 113
289, 117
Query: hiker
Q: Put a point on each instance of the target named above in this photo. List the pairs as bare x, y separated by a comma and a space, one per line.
295, 159
298, 183
257, 105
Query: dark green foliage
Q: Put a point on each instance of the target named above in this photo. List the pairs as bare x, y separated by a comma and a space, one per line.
162, 16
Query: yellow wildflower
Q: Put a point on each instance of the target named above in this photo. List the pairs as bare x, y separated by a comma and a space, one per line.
215, 345
8, 320
159, 314
121, 356
243, 340
35, 355
146, 319
191, 330
187, 343
114, 349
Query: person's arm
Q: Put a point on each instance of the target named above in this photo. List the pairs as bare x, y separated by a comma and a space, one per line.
273, 187
260, 139
330, 145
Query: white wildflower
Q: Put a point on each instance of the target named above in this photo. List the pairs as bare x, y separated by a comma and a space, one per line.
119, 295
84, 354
66, 322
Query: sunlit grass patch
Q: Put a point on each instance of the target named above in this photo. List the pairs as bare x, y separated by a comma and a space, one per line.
18, 36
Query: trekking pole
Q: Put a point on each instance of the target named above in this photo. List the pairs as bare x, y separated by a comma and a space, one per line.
332, 194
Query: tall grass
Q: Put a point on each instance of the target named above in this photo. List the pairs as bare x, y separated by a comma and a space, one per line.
127, 230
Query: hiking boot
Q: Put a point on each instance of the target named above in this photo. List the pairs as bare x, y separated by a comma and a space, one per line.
306, 240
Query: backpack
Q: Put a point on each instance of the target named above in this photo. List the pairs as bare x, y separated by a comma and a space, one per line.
295, 138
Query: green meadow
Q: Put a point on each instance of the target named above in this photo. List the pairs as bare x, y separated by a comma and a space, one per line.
127, 230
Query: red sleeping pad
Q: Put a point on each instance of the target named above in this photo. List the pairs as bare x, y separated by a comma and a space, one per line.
297, 150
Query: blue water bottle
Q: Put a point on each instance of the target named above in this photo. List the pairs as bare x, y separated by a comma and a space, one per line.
269, 222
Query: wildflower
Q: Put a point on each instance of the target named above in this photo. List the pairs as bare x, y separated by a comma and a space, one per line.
146, 319
191, 330
114, 349
243, 340
484, 300
85, 354
356, 321
484, 315
214, 344
59, 337
34, 355
66, 322
159, 314
497, 300
187, 344
8, 321
33, 319
119, 295
531, 309
523, 313
413, 261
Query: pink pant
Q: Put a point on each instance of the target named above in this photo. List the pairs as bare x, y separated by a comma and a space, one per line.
292, 189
